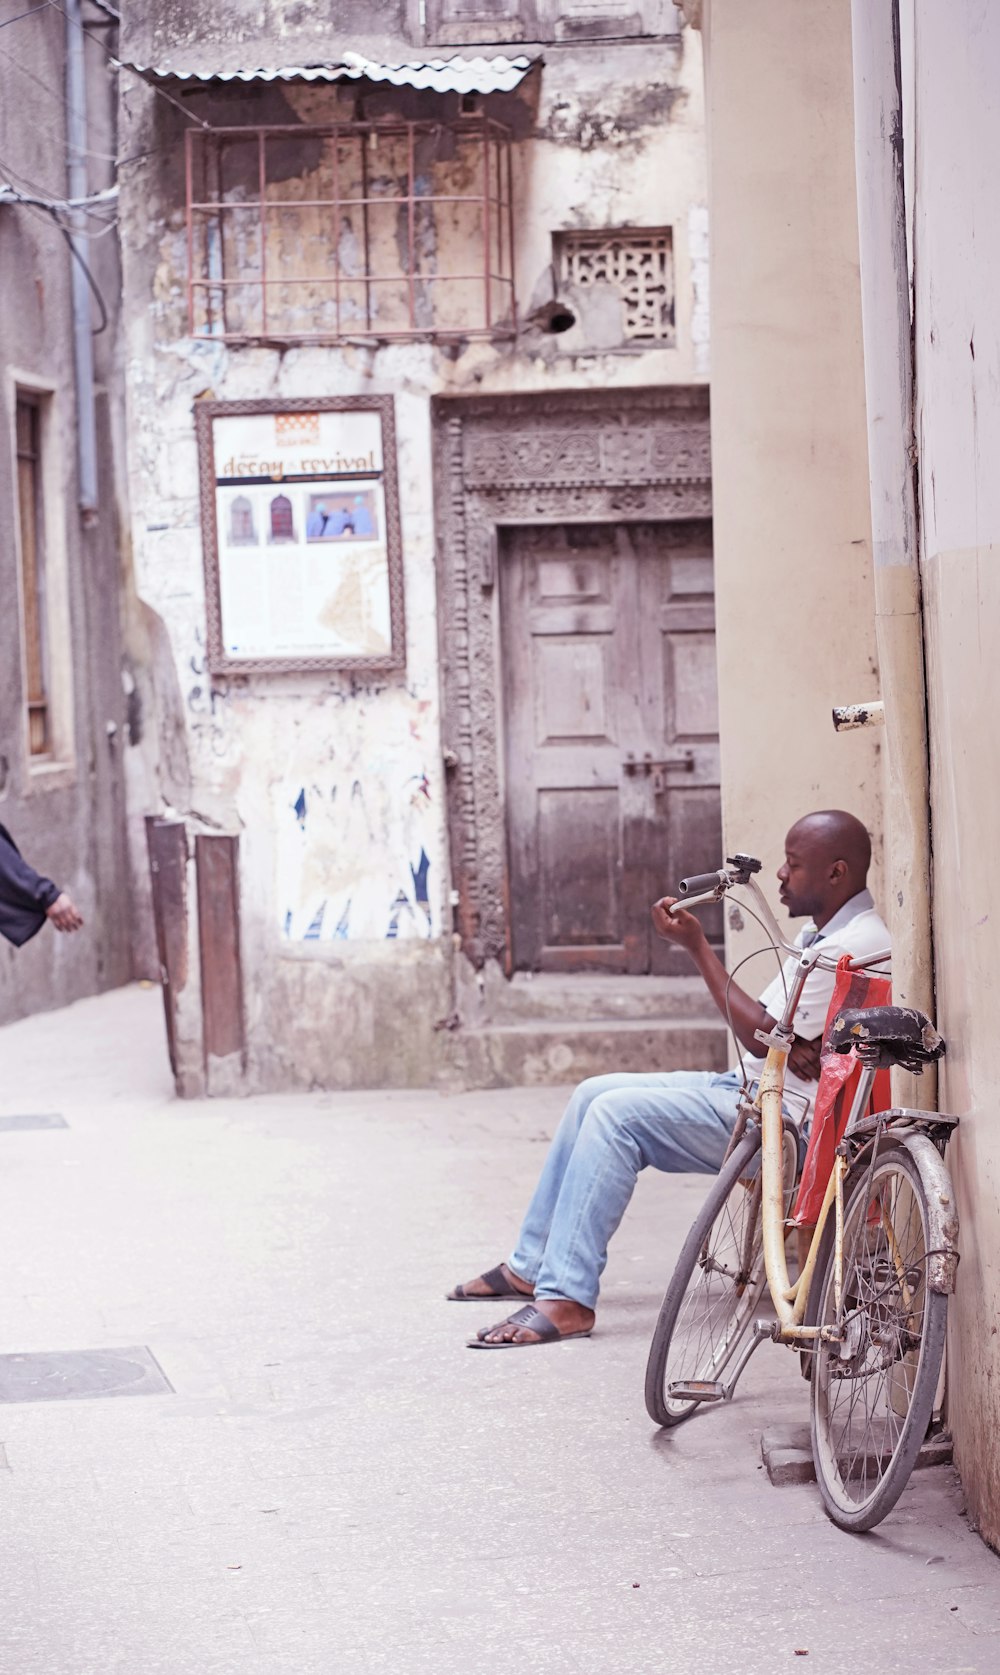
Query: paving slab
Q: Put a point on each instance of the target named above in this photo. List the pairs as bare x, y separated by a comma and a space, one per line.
335, 1483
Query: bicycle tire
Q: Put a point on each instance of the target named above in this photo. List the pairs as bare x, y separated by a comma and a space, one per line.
701, 1266
864, 1446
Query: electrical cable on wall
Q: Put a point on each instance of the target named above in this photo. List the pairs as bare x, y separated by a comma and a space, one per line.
118, 65
53, 207
113, 16
60, 98
29, 13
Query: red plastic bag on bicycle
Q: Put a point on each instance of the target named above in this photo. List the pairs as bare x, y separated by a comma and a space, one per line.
838, 1079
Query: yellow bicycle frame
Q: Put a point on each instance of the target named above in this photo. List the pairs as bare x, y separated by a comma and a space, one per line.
791, 1299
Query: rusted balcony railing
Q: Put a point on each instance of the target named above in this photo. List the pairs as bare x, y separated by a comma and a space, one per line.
371, 230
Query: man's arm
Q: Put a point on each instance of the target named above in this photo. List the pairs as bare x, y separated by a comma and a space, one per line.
20, 884
685, 931
747, 1014
22, 887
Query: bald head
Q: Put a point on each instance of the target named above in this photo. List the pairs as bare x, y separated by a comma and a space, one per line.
827, 856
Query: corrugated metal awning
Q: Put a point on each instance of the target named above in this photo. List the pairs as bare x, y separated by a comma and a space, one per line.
439, 75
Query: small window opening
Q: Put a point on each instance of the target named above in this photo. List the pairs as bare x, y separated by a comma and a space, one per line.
28, 424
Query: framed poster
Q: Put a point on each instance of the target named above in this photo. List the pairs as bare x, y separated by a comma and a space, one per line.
300, 528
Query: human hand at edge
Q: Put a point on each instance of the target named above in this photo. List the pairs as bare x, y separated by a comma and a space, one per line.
682, 928
64, 913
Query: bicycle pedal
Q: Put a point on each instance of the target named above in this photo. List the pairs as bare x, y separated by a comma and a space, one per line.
697, 1390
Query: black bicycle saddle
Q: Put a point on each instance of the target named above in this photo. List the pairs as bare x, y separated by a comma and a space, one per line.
886, 1035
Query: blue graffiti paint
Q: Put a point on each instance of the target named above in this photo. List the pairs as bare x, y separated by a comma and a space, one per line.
313, 933
399, 906
288, 921
420, 893
341, 931
299, 806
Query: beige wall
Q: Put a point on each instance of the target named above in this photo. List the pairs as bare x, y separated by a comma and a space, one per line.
956, 244
792, 497
792, 522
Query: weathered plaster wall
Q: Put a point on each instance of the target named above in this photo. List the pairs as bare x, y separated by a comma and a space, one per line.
956, 259
333, 783
336, 785
620, 141
67, 814
268, 31
792, 518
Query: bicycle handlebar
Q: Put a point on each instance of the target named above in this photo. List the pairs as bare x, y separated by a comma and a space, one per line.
706, 887
703, 881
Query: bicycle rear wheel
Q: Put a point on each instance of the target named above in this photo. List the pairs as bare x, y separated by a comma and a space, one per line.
873, 1394
716, 1286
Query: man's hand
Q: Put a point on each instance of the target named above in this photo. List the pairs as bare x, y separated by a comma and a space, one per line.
804, 1058
743, 1015
65, 915
682, 928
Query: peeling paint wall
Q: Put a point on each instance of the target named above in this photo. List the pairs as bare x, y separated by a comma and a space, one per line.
782, 145
336, 784
66, 809
953, 136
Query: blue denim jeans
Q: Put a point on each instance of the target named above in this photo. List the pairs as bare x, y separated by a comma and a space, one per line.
679, 1121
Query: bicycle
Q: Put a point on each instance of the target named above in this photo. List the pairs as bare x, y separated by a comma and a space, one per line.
867, 1313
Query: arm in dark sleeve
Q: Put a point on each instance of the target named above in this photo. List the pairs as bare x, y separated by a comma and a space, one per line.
20, 885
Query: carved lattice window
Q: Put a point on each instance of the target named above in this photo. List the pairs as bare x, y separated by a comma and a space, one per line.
638, 264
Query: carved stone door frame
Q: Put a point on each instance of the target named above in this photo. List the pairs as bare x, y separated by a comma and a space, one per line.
578, 456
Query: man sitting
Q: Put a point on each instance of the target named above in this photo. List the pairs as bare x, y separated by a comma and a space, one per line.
678, 1121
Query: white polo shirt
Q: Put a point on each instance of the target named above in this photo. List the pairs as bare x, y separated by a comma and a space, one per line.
855, 929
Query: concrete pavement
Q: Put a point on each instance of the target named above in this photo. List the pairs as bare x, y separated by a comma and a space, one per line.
335, 1483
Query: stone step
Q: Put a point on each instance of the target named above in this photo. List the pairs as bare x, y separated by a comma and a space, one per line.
535, 1052
787, 1453
581, 996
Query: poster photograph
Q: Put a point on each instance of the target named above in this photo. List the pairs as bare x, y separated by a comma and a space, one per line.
300, 519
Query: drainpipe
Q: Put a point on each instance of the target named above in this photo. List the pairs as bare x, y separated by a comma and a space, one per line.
892, 453
83, 343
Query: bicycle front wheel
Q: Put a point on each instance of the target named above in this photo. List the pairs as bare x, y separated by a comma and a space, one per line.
873, 1392
716, 1285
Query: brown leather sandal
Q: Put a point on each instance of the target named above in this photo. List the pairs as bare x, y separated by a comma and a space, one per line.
500, 1288
532, 1320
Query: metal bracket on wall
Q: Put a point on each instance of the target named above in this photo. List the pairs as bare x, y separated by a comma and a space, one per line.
846, 717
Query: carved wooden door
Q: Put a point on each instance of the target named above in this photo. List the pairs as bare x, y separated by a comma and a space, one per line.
611, 737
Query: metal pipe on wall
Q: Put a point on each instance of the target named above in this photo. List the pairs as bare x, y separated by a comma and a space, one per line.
885, 298
83, 344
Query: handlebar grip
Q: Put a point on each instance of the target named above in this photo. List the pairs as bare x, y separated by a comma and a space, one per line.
701, 881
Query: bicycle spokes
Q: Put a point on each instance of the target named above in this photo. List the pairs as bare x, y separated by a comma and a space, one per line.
874, 1382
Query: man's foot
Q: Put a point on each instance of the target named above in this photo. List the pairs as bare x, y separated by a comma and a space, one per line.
568, 1320
496, 1282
